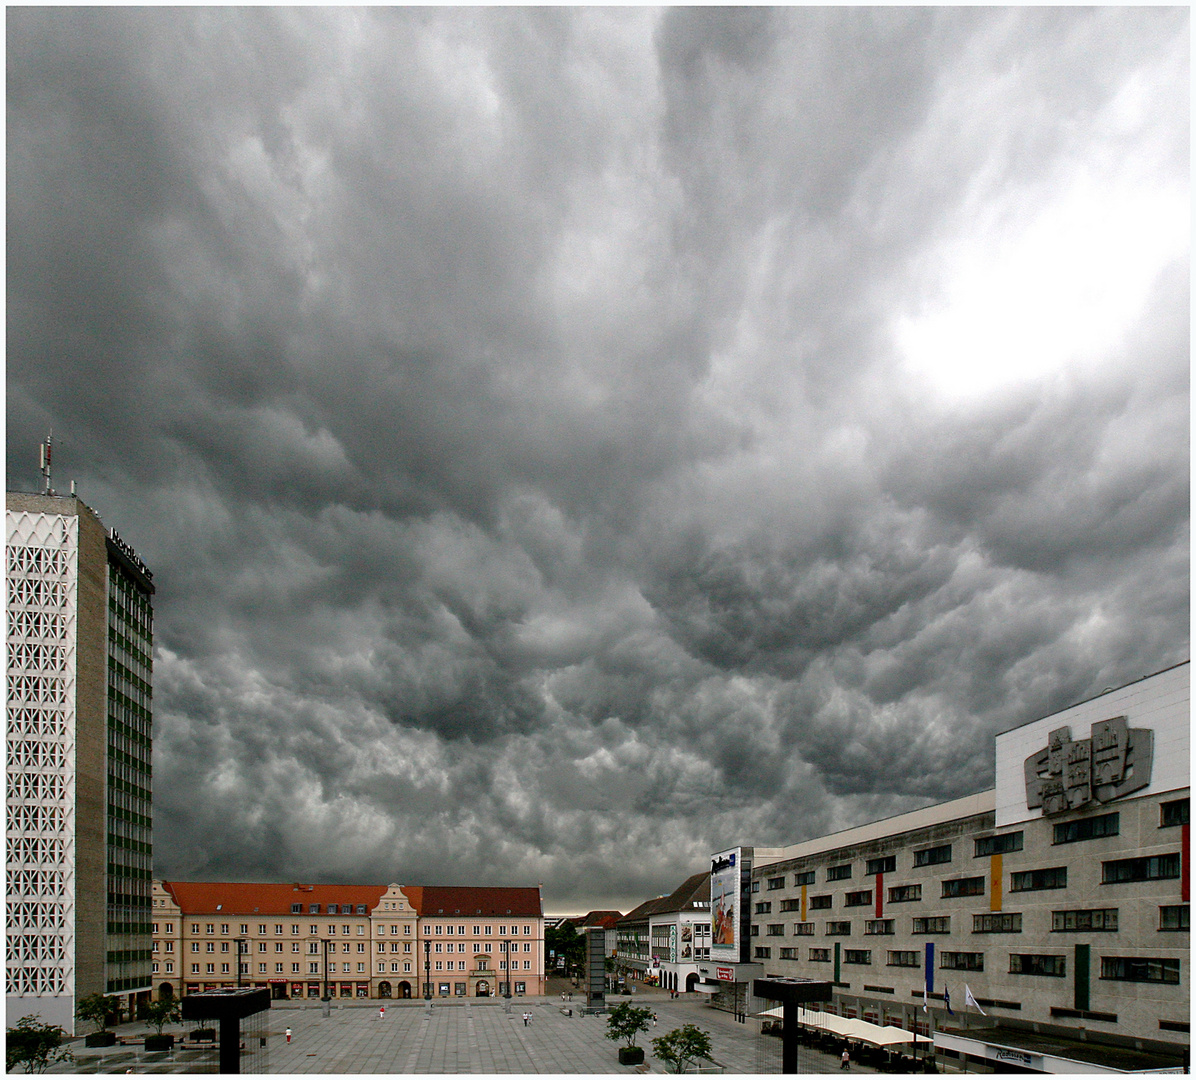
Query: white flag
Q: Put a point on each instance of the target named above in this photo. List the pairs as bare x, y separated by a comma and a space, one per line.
925, 1003
969, 1000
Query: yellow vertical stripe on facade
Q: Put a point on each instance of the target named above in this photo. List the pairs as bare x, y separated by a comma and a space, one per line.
994, 886
803, 903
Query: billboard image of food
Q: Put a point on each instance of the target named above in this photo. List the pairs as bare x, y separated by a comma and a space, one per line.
724, 903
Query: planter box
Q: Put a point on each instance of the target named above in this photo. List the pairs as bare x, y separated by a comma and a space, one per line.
100, 1038
203, 1035
159, 1042
631, 1055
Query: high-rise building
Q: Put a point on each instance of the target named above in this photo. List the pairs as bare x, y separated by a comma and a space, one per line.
79, 725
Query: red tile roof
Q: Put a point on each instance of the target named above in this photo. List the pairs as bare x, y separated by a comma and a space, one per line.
432, 900
252, 898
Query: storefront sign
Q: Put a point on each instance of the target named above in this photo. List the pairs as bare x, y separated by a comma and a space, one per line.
724, 974
1014, 1057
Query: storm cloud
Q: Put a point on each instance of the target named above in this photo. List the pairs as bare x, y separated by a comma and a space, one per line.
570, 441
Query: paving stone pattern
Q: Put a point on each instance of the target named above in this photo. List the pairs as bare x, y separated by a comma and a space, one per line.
467, 1038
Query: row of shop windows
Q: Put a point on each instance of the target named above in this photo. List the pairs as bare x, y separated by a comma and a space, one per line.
1119, 968
1170, 814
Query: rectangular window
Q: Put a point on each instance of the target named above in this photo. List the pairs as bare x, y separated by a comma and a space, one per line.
1147, 868
997, 923
210, 969
857, 956
1132, 969
806, 877
790, 954
776, 930
762, 952
313, 909
900, 894
933, 856
886, 864
803, 929
211, 928
334, 909
817, 903
968, 886
791, 905
998, 845
194, 969
1086, 920
1173, 813
1089, 828
903, 958
1050, 877
296, 909
1174, 917
962, 961
937, 924
1033, 964
878, 926
820, 956
858, 899
776, 883
839, 929
764, 908
838, 873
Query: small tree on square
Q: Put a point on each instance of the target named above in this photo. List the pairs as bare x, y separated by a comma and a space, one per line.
34, 1045
681, 1046
625, 1021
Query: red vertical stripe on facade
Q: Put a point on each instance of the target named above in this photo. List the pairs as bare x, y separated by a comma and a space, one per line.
880, 893
1185, 874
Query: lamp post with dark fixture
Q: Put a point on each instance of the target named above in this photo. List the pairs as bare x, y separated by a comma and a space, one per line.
507, 949
427, 970
240, 943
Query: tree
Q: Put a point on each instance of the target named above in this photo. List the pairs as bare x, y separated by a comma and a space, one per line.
159, 1013
97, 1009
625, 1021
681, 1046
564, 940
34, 1046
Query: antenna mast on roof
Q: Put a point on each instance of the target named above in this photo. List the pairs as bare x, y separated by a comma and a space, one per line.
46, 451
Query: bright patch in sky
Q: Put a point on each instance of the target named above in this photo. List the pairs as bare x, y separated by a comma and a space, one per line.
1020, 300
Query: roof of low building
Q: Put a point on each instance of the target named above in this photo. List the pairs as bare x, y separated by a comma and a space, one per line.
265, 898
432, 900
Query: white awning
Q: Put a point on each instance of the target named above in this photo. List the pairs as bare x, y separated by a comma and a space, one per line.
705, 988
848, 1028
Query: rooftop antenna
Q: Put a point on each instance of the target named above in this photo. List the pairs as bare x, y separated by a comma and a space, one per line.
46, 452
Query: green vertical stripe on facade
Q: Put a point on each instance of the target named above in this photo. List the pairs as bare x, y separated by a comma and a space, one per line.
837, 962
1082, 964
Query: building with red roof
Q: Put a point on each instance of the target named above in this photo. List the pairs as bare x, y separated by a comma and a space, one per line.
359, 941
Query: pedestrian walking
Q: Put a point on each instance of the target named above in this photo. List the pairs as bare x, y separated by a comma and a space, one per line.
654, 1019
381, 1012
845, 1060
288, 1034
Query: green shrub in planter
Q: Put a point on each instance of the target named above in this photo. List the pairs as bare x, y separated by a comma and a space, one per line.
159, 1042
631, 1055
100, 1038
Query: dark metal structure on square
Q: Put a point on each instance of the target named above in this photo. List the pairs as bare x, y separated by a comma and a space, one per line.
791, 993
229, 1006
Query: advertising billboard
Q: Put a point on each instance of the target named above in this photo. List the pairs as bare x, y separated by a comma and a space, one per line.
725, 869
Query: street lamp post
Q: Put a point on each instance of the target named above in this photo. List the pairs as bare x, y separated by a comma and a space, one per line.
324, 942
240, 943
427, 970
507, 949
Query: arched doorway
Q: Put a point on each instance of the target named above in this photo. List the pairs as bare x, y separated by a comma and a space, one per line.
165, 992
384, 989
404, 989
483, 988
690, 982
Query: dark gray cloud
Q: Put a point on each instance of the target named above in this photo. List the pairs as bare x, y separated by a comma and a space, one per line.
570, 441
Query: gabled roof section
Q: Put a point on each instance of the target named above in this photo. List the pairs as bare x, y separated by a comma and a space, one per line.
468, 900
693, 889
254, 898
604, 919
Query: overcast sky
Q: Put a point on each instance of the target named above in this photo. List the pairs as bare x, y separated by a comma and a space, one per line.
568, 442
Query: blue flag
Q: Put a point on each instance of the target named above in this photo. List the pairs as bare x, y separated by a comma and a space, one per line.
947, 1000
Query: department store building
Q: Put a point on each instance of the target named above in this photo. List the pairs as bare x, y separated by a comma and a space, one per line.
1035, 921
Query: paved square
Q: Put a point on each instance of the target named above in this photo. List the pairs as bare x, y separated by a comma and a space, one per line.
474, 1037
